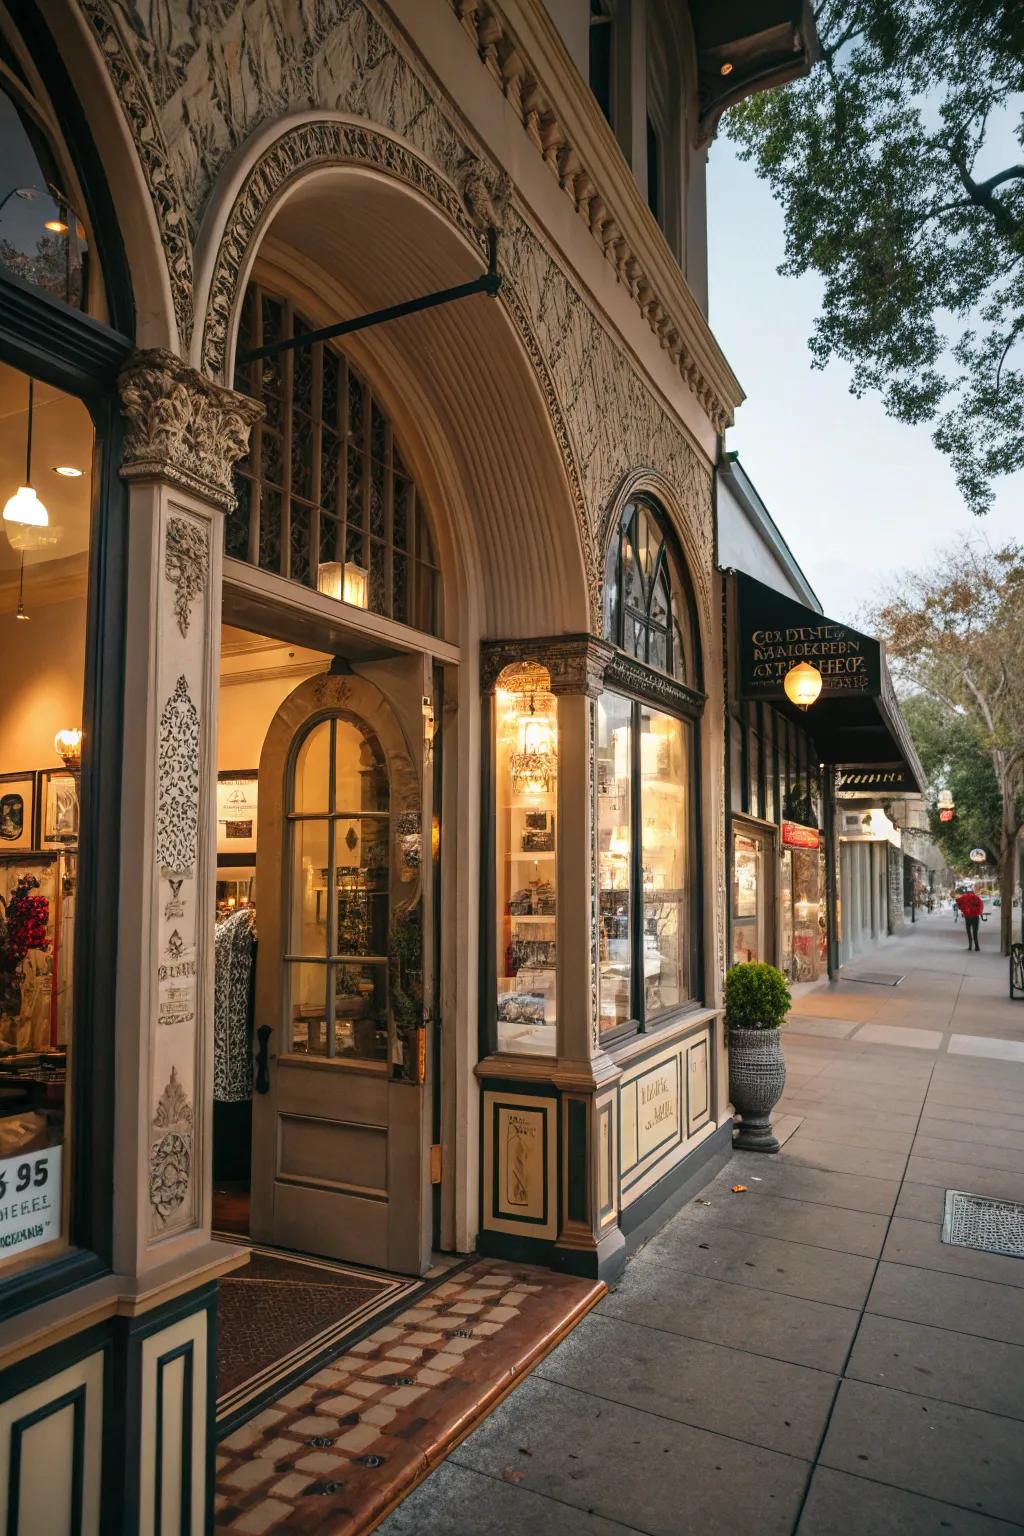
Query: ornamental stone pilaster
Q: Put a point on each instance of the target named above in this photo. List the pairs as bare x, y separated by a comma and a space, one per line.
184, 437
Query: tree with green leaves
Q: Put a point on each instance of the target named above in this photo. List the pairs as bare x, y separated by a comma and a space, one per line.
956, 634
899, 163
953, 757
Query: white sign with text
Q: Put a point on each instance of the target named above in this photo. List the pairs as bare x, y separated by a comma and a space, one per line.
29, 1200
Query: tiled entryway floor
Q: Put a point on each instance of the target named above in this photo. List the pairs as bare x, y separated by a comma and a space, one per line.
807, 1356
330, 1456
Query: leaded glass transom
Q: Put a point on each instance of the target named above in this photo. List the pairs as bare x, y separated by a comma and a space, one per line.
646, 608
325, 497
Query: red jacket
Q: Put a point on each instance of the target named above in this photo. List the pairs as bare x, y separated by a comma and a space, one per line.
970, 904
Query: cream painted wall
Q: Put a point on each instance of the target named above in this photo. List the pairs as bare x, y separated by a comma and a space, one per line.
248, 704
43, 673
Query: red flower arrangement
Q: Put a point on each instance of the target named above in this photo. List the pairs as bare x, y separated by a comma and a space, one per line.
23, 923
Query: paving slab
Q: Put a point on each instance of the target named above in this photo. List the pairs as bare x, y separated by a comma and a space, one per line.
975, 1045
996, 1183
742, 1316
937, 1113
937, 1362
979, 1154
797, 1269
616, 1461
839, 1504
456, 1501
958, 1455
797, 1181
838, 1157
798, 1221
920, 1243
711, 1386
984, 1308
971, 1130
891, 1034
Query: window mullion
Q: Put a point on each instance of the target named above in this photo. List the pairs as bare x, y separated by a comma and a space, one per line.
316, 468
256, 457
288, 410
332, 888
636, 869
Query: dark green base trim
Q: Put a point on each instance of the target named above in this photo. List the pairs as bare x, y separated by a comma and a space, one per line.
642, 1219
518, 1250
605, 1262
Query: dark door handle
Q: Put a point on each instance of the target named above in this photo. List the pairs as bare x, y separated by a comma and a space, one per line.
262, 1069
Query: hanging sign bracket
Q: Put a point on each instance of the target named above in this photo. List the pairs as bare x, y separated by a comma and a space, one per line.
489, 283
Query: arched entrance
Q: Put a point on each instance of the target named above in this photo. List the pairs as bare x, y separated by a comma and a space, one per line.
341, 1111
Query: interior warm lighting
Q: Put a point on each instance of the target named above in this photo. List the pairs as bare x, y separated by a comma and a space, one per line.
56, 226
68, 745
726, 69
356, 586
68, 471
348, 583
25, 507
802, 684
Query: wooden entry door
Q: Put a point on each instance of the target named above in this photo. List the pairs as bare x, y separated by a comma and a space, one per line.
341, 1121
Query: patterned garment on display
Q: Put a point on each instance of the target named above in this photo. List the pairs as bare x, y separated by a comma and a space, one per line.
234, 955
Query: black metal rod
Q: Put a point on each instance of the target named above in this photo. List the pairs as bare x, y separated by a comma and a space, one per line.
490, 284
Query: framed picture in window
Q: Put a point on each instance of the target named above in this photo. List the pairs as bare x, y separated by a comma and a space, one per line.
58, 808
237, 812
17, 810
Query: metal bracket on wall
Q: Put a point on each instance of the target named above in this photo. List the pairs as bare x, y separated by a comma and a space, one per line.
489, 283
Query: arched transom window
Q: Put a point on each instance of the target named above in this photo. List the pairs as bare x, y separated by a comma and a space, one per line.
646, 606
325, 497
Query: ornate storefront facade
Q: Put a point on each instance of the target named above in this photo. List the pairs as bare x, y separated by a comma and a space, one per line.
407, 639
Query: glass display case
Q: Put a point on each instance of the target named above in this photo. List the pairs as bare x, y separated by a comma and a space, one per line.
526, 815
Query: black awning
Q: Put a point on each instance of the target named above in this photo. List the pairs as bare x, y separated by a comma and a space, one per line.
856, 723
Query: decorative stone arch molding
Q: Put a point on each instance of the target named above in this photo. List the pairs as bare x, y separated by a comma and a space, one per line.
479, 202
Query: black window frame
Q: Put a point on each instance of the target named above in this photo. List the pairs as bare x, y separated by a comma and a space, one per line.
644, 685
60, 345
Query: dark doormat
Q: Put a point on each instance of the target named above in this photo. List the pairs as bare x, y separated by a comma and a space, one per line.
284, 1315
875, 978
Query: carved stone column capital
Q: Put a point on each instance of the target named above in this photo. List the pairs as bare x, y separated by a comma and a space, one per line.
182, 427
575, 663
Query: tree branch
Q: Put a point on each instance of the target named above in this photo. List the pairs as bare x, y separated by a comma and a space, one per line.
980, 192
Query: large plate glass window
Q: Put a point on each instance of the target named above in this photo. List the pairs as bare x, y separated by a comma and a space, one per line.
45, 500
526, 832
339, 829
646, 800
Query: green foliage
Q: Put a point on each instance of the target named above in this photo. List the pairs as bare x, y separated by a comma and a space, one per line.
757, 996
894, 164
953, 758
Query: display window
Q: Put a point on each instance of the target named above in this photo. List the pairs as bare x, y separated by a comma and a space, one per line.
648, 963
46, 444
751, 896
526, 840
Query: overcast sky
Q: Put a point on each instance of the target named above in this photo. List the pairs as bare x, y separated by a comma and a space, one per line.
856, 495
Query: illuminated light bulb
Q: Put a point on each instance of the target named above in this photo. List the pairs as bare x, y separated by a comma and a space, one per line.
56, 226
726, 69
68, 471
68, 745
802, 684
328, 579
25, 507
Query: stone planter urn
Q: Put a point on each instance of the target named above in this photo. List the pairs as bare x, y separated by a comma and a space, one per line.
757, 999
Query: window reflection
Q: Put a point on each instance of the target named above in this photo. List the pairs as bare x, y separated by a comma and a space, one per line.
664, 788
614, 844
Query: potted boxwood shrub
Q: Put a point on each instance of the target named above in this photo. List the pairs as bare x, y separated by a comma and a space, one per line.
757, 999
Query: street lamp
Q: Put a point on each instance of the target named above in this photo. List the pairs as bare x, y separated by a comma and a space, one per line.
802, 684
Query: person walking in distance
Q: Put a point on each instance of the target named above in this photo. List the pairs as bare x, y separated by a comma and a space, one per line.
971, 907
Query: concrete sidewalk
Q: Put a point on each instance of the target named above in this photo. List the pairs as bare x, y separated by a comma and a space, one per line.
809, 1356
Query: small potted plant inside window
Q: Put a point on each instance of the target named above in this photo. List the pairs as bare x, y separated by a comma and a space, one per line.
757, 999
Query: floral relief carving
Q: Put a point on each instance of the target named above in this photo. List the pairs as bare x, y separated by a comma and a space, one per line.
186, 566
170, 1158
177, 831
183, 427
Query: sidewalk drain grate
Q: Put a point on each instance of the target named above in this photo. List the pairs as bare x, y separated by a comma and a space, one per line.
994, 1226
874, 978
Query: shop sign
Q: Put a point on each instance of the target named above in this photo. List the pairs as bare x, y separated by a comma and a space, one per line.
29, 1200
946, 814
978, 856
887, 778
776, 633
796, 836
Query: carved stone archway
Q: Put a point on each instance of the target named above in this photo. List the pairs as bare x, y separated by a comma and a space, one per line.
479, 203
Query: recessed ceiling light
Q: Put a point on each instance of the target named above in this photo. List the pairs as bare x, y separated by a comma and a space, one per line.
68, 471
726, 69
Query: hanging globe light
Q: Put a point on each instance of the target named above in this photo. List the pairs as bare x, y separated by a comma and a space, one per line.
802, 684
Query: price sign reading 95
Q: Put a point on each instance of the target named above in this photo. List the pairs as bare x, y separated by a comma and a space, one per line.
29, 1200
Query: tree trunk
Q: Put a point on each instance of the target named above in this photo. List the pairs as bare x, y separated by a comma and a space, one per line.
1007, 881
